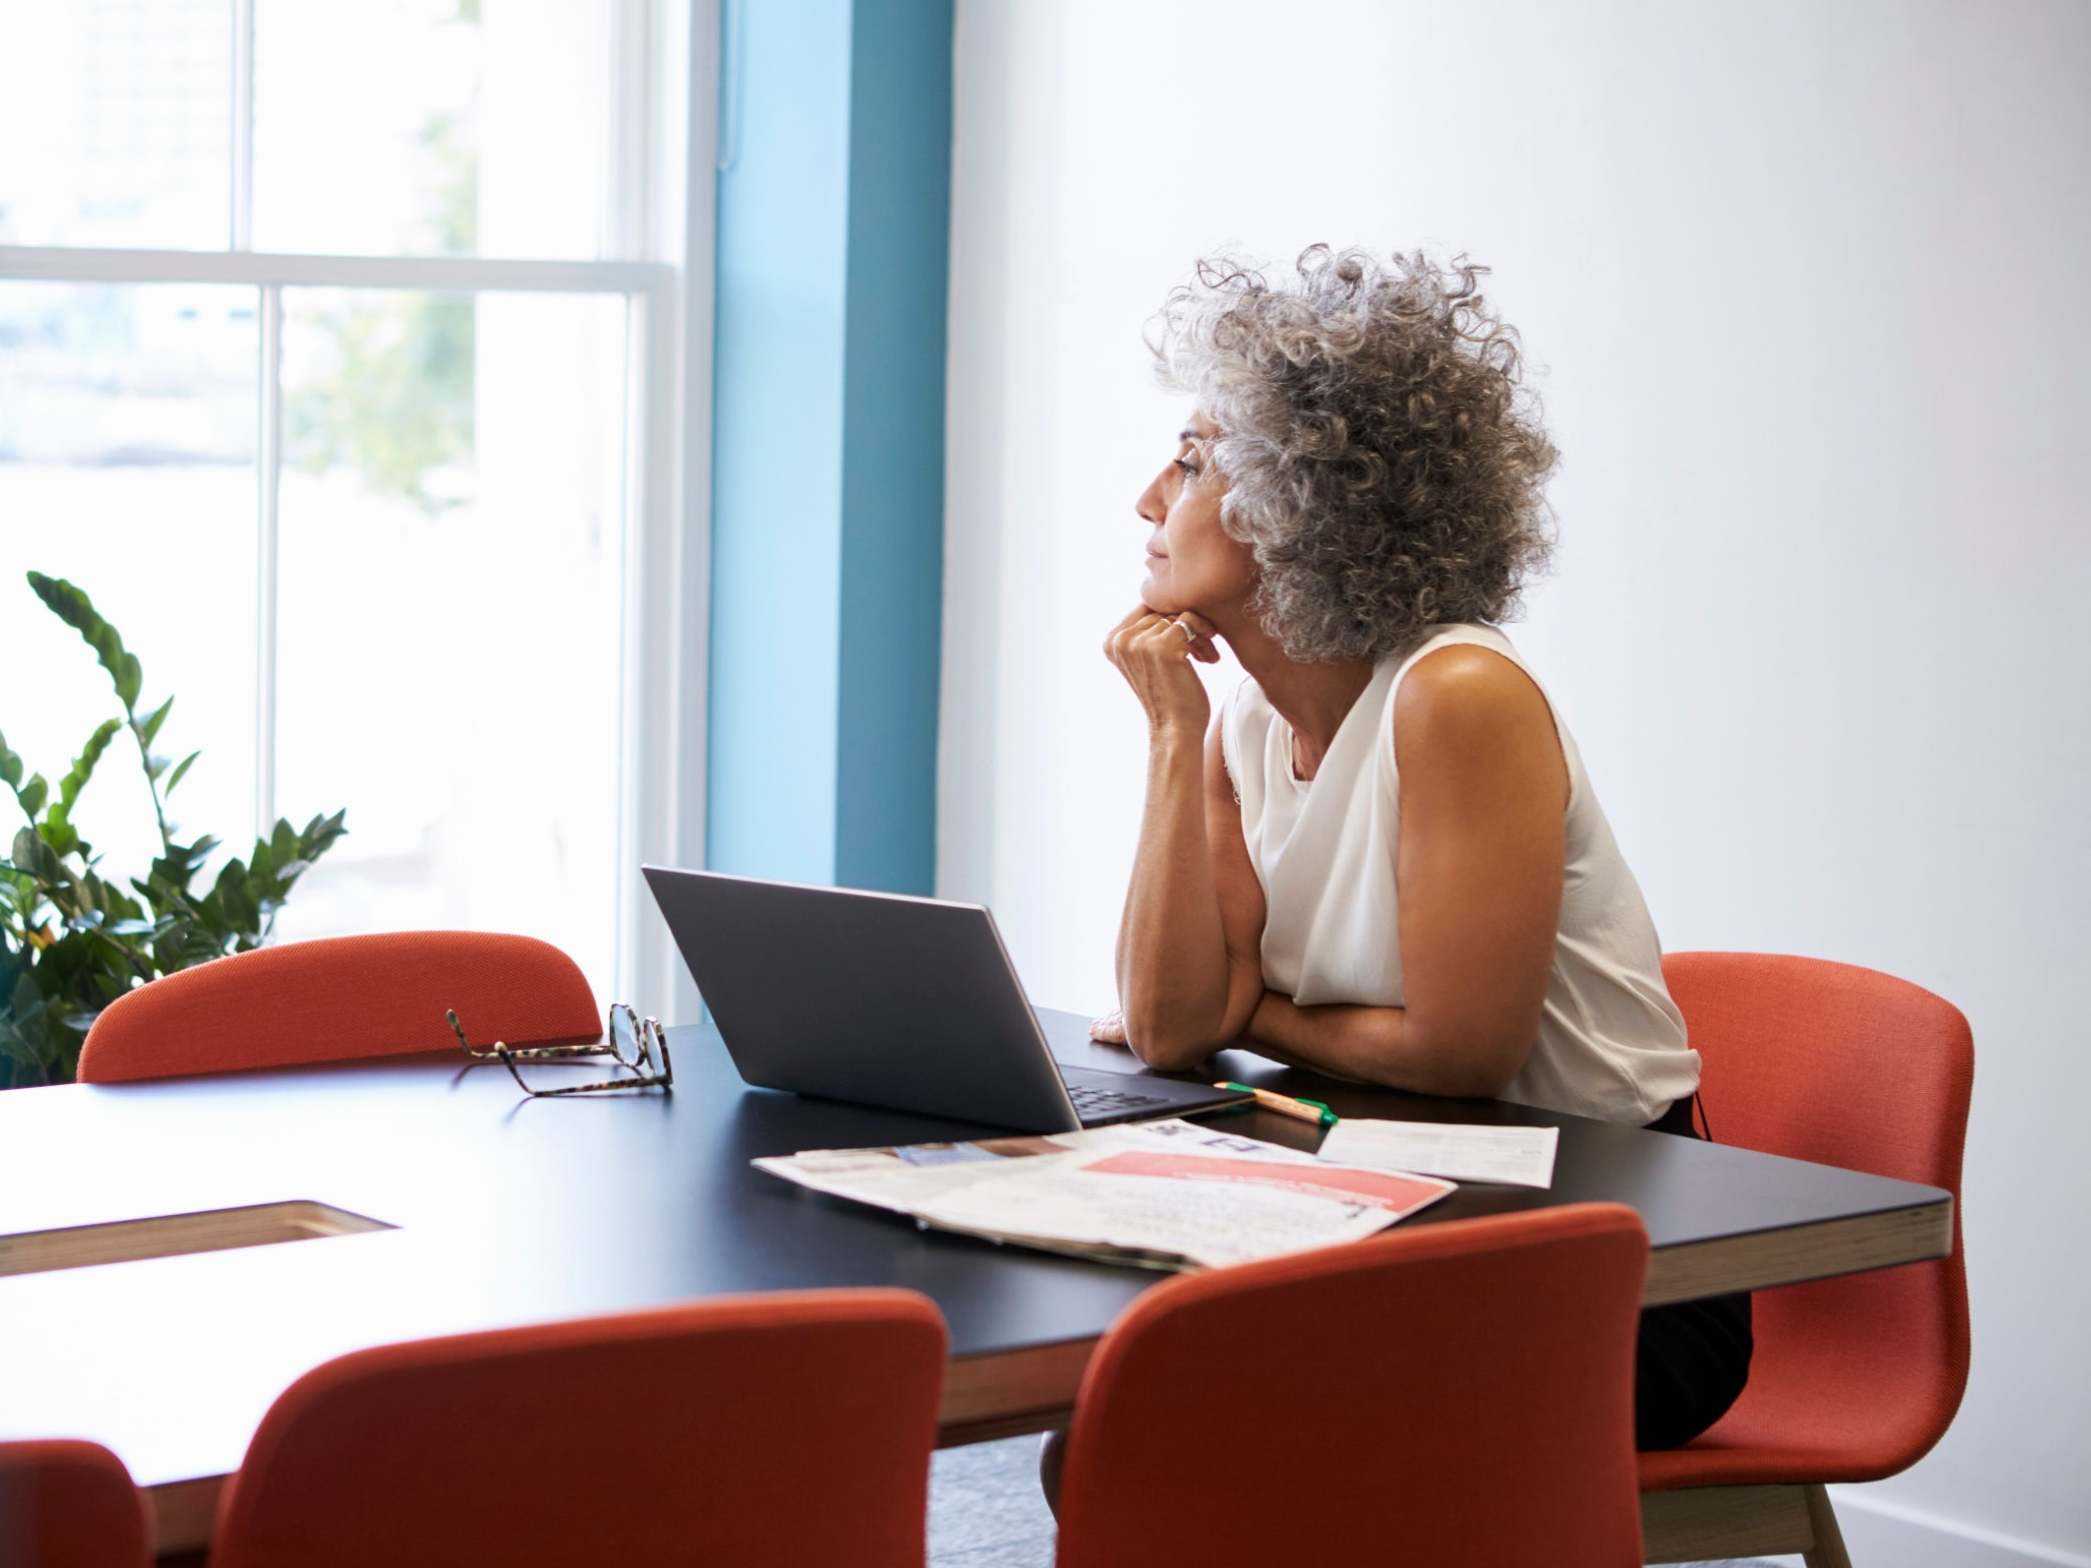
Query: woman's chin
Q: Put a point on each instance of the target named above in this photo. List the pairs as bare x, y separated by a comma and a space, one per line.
1155, 594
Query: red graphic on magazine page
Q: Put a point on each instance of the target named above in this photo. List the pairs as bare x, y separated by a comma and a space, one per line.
1398, 1194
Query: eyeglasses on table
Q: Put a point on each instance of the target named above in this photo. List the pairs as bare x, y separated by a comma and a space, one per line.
638, 1045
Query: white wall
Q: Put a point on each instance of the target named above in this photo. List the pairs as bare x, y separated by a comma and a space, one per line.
1809, 290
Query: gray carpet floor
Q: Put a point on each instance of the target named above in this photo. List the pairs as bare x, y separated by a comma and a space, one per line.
985, 1510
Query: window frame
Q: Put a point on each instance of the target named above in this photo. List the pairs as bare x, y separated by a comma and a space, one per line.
661, 209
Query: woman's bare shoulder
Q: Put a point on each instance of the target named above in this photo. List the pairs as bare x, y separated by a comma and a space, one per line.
1467, 702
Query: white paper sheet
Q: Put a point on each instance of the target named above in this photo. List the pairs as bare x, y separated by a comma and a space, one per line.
1508, 1156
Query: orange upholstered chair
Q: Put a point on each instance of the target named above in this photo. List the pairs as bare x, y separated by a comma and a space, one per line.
340, 998
66, 1504
1459, 1393
1854, 1378
775, 1429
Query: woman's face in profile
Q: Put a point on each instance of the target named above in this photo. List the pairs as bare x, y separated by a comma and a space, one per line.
1191, 562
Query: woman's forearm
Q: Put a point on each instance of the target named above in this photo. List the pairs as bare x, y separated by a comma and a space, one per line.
1372, 1045
1172, 952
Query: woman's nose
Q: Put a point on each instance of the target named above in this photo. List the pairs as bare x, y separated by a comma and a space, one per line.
1149, 506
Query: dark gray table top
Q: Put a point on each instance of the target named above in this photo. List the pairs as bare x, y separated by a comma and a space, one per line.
512, 1210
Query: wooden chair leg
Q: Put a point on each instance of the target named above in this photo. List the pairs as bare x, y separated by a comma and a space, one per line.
1708, 1522
1828, 1550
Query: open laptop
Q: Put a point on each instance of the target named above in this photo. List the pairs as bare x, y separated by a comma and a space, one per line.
884, 999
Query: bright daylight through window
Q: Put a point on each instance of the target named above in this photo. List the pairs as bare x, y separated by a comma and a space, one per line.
324, 334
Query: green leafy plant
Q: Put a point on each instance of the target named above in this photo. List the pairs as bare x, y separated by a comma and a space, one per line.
71, 940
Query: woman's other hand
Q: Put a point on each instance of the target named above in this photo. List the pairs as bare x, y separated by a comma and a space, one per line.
1109, 1029
1154, 652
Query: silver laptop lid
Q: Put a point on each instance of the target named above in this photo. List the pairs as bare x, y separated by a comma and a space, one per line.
878, 998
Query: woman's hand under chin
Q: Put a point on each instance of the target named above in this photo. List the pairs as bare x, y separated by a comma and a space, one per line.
1154, 652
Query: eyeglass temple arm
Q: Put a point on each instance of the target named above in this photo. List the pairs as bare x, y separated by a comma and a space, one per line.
664, 1079
643, 1081
530, 1053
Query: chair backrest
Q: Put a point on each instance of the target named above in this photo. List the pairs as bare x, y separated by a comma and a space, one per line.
68, 1504
1459, 1392
1849, 1067
786, 1429
338, 998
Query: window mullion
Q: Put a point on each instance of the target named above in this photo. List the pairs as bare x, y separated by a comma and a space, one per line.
440, 274
626, 224
268, 473
242, 226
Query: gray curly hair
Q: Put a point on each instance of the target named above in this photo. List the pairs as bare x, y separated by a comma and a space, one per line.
1382, 461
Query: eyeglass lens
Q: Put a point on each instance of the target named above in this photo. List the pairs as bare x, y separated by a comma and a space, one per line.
623, 1037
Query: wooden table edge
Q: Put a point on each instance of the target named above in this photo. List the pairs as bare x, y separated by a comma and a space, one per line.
1795, 1254
996, 1394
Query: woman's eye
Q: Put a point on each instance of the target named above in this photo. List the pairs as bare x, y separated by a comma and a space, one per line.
1187, 467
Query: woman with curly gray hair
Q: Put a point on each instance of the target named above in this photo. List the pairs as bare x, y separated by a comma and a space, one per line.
1383, 859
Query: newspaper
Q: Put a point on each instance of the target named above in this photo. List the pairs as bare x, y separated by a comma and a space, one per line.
1165, 1195
1508, 1156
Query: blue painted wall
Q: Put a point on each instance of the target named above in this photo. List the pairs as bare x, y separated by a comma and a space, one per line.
828, 442
893, 444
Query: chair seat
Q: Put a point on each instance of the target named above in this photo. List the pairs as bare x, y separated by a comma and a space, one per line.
1825, 1403
1747, 1448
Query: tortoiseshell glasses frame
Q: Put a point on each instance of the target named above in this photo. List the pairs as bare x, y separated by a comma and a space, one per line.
639, 1045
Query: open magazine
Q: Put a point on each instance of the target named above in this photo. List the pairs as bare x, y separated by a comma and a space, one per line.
1163, 1195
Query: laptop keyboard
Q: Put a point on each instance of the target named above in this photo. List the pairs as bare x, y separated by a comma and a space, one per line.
1094, 1100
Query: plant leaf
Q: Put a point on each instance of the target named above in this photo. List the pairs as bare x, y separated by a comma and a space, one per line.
10, 765
232, 897
27, 999
32, 794
149, 726
36, 857
120, 905
72, 606
58, 830
70, 786
180, 768
174, 869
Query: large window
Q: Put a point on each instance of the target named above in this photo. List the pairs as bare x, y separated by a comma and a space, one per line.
342, 346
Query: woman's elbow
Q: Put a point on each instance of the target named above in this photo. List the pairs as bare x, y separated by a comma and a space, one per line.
1488, 1073
1167, 1046
1477, 1083
1474, 1070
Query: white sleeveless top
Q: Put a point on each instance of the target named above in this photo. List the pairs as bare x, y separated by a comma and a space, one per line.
1611, 1042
